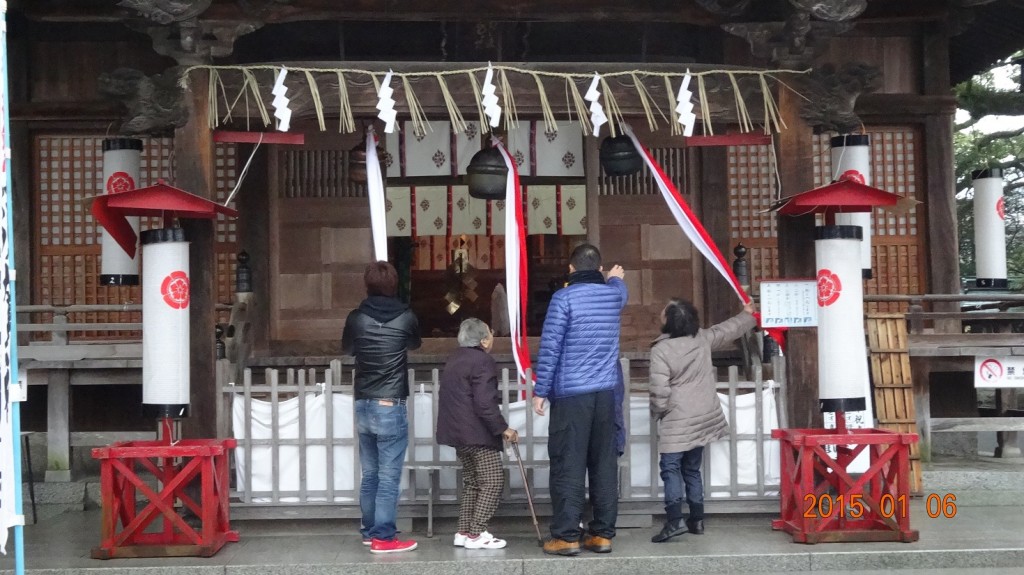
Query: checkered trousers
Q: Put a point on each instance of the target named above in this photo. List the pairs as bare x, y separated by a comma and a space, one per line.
482, 483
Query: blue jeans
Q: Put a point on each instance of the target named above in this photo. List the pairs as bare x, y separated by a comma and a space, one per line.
678, 469
383, 439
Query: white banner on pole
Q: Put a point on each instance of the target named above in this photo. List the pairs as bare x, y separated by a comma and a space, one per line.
9, 481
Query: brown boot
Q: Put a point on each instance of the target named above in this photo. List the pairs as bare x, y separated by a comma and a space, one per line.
597, 544
560, 547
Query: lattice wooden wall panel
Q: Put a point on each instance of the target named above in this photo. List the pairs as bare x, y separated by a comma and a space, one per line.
672, 160
68, 169
752, 187
317, 174
897, 246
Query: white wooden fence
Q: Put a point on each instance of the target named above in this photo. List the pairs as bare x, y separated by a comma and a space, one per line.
432, 474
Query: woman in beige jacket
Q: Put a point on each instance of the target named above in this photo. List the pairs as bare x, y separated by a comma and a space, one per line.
685, 404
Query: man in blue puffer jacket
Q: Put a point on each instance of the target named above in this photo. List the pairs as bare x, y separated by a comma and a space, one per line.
578, 371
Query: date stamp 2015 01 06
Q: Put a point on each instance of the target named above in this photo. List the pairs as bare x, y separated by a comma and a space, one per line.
853, 506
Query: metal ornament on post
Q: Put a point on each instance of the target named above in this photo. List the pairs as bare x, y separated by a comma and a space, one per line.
852, 153
989, 229
121, 158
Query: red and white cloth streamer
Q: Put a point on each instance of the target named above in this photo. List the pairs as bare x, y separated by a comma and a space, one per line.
515, 264
687, 220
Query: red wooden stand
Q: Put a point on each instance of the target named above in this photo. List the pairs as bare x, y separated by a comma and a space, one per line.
174, 467
821, 502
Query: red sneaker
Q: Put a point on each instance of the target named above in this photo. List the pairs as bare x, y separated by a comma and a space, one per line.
391, 546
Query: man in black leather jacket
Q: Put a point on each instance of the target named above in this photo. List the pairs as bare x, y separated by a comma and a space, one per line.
379, 334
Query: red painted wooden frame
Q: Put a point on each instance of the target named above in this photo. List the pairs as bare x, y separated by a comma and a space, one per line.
809, 474
237, 137
124, 527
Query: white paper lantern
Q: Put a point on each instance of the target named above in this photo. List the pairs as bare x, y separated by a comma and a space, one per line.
853, 152
842, 352
165, 323
989, 229
120, 174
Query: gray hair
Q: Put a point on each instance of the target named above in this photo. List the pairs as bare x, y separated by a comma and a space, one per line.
472, 331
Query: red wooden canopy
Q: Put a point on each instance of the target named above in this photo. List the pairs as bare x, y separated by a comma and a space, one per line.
844, 196
112, 210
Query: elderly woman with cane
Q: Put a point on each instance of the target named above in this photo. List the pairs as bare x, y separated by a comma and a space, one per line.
469, 419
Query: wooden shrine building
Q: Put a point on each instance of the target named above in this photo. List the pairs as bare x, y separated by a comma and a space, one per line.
777, 79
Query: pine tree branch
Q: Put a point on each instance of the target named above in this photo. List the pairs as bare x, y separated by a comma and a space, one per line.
981, 102
987, 139
970, 122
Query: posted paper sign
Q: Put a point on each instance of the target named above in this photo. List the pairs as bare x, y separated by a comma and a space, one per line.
789, 303
999, 371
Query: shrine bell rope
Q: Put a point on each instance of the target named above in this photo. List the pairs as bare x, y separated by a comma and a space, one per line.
574, 101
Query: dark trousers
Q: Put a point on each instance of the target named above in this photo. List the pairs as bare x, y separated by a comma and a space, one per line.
581, 446
679, 470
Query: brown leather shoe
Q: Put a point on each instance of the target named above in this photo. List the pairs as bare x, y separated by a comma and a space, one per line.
560, 547
597, 544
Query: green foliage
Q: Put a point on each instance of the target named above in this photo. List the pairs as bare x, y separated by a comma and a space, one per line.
976, 150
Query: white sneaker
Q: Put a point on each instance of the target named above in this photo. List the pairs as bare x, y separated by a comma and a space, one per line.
485, 541
459, 540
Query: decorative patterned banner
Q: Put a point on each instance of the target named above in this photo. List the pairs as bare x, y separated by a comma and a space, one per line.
399, 212
393, 155
559, 153
431, 210
498, 218
542, 210
469, 215
466, 145
519, 148
428, 153
574, 210
10, 410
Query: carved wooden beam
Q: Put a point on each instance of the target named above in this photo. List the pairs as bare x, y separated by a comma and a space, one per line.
793, 43
832, 95
275, 11
167, 11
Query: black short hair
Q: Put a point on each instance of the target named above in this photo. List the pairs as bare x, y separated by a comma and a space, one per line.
585, 258
681, 318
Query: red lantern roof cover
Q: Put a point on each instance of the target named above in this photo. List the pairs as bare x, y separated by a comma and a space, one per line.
844, 196
162, 200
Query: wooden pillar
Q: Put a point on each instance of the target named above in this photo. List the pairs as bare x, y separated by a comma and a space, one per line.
194, 155
719, 300
253, 203
58, 423
940, 207
940, 202
794, 149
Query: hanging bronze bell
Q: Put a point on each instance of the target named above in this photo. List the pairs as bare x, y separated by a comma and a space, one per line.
619, 156
357, 162
487, 175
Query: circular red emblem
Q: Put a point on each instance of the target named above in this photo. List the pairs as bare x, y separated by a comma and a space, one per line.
1001, 208
852, 176
175, 290
829, 288
120, 182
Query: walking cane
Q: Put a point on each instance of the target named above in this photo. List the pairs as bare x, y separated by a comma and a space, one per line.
529, 498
